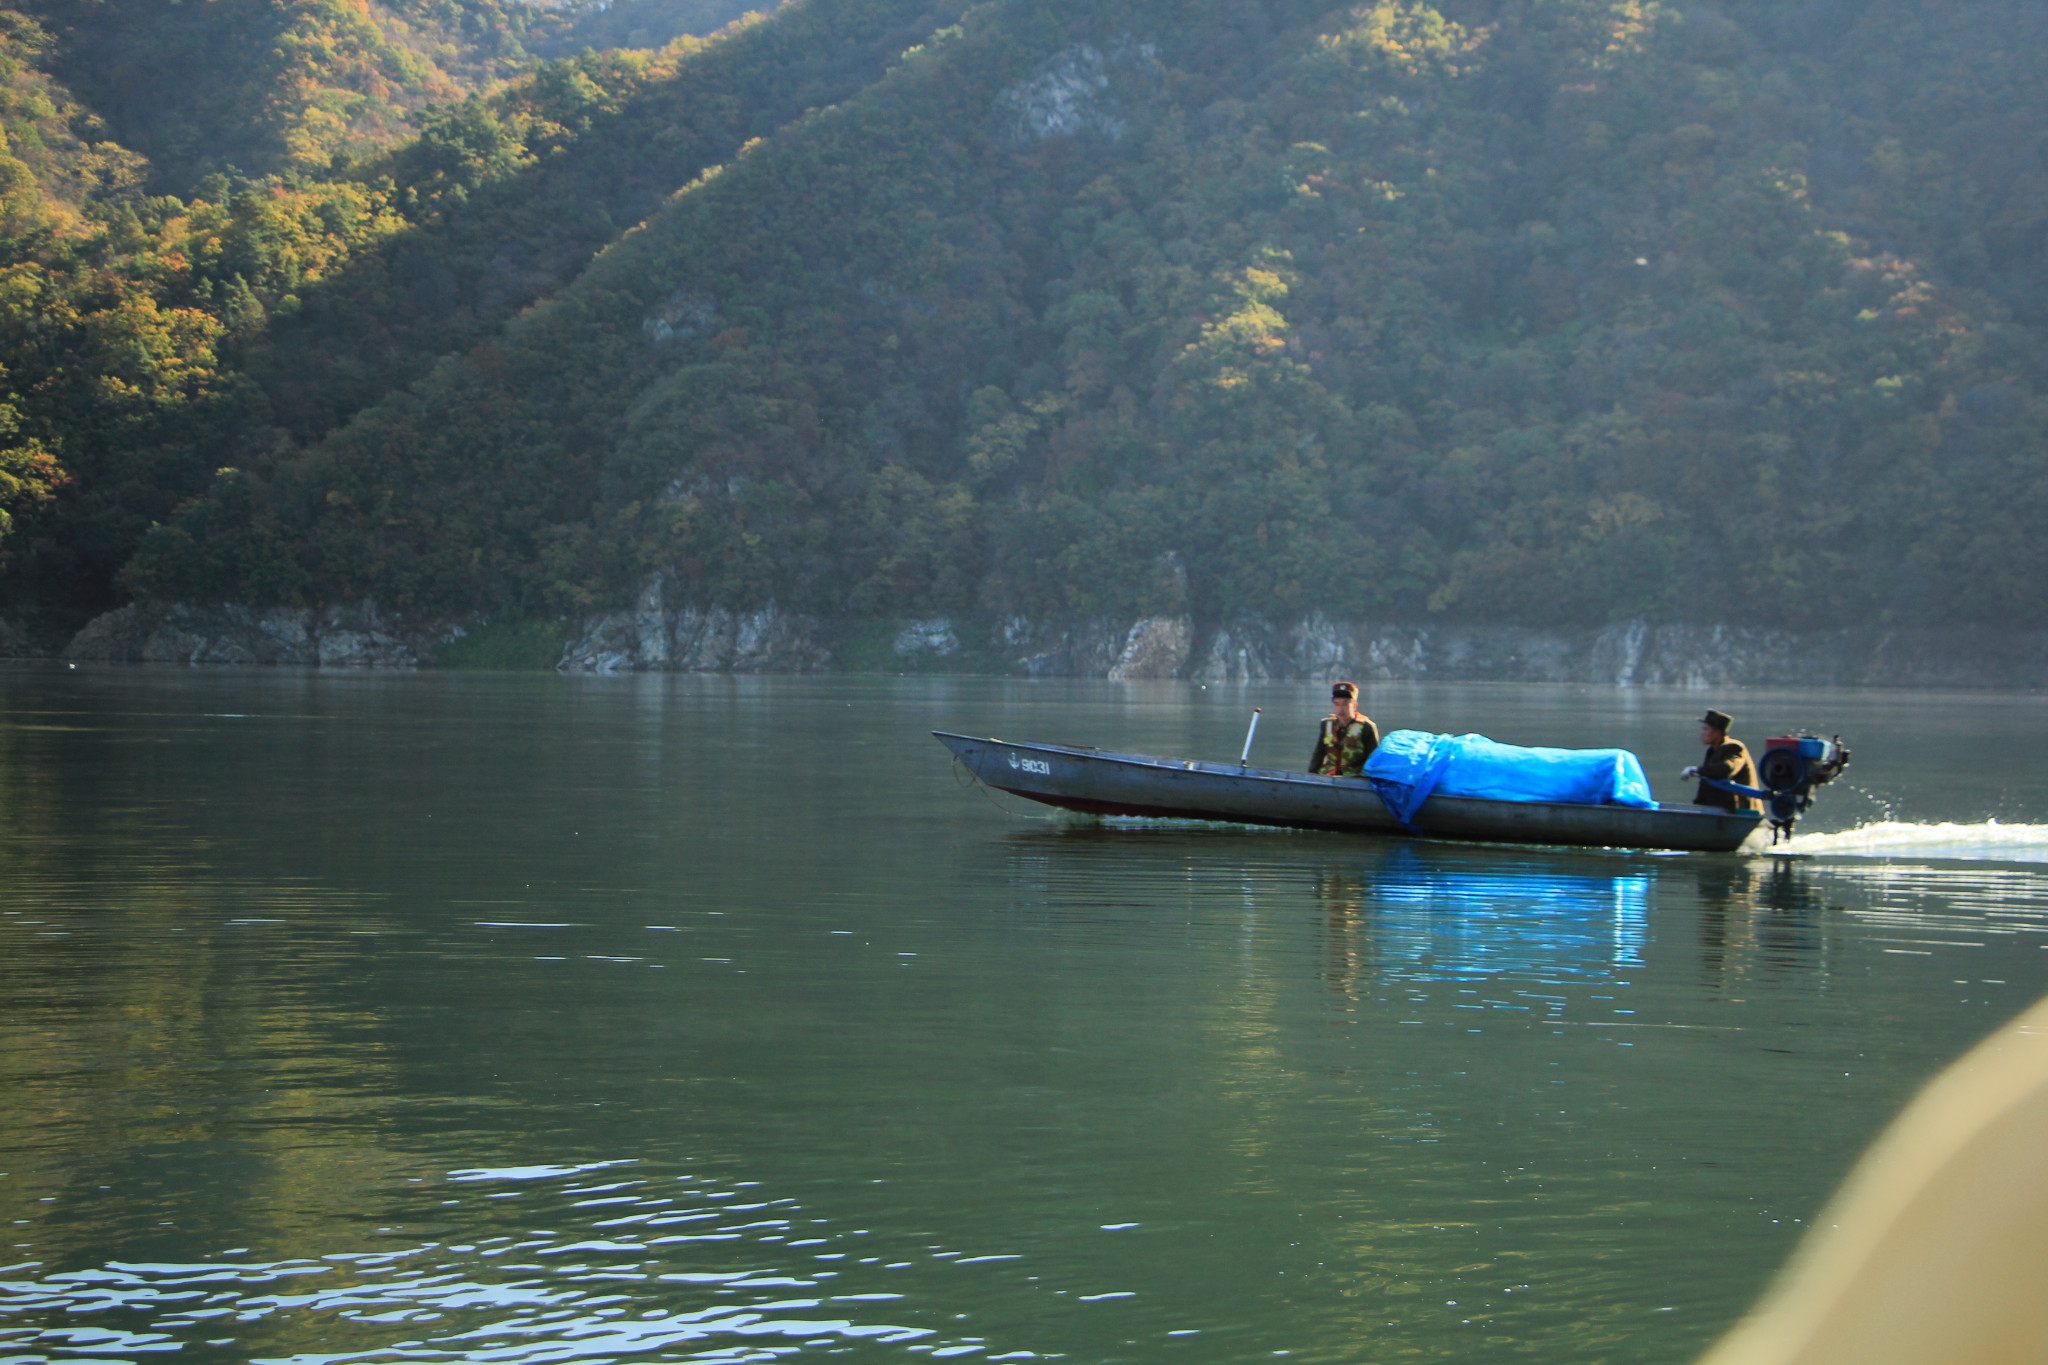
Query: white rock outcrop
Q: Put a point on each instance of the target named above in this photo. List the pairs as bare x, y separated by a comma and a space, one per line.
1237, 652
683, 316
1155, 647
657, 636
1080, 90
932, 636
352, 635
1083, 648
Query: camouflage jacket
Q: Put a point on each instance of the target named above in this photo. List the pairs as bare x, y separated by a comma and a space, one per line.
1343, 755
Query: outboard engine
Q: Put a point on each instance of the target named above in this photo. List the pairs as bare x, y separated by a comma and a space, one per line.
1790, 767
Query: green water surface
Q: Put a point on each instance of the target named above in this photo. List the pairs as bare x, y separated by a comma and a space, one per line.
359, 1018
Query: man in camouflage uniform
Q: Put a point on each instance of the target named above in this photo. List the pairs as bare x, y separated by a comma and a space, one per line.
1347, 737
1726, 760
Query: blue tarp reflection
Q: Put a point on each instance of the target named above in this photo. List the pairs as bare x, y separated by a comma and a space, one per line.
1435, 921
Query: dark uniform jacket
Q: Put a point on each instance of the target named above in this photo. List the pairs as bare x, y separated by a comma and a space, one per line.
1342, 755
1729, 762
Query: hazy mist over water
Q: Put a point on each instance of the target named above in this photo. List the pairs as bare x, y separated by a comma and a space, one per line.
377, 1018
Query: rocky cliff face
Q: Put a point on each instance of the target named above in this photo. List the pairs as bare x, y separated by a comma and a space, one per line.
1628, 654
660, 634
353, 636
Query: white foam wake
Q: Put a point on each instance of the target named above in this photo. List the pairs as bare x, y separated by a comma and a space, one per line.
1946, 840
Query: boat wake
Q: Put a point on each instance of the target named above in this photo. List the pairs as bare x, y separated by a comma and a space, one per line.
1896, 838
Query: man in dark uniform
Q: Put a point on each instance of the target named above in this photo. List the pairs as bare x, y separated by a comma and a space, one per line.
1727, 760
1347, 738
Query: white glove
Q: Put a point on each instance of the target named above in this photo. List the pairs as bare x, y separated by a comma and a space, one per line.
1691, 772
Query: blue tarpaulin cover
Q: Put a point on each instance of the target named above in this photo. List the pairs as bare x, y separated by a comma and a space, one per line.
1410, 766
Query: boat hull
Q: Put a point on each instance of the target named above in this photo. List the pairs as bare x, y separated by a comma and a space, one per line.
1102, 783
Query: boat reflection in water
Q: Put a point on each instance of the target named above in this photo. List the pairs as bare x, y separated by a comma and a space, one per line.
1761, 918
1440, 919
1418, 911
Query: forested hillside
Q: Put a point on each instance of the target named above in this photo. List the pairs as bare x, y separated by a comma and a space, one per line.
151, 338
263, 86
1557, 311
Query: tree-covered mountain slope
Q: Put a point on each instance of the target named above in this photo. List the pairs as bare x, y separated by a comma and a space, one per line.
1549, 311
258, 87
510, 194
242, 85
149, 339
603, 25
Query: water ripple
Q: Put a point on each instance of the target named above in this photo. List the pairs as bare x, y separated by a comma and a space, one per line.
558, 1296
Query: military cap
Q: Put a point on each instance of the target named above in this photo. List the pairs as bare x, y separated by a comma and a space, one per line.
1720, 720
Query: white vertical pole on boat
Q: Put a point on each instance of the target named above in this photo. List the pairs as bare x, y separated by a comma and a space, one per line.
1246, 756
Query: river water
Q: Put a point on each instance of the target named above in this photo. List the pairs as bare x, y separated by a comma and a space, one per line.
356, 1018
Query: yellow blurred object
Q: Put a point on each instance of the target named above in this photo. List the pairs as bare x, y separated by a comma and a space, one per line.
1935, 1251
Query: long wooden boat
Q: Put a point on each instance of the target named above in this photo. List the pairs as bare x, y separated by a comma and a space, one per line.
1102, 783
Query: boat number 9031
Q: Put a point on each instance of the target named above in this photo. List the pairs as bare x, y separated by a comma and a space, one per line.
1031, 765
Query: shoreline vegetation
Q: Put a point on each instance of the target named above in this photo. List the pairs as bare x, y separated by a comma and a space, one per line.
1476, 315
